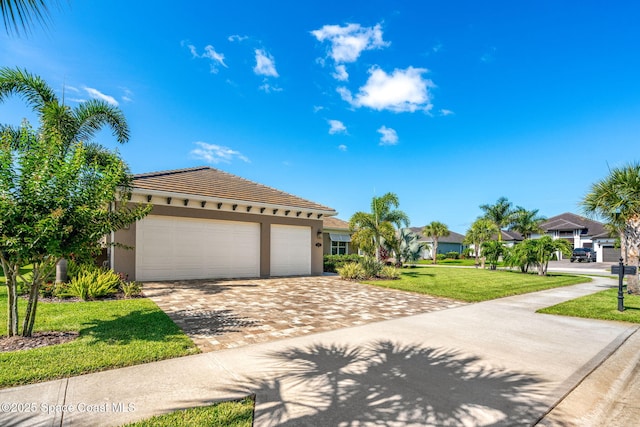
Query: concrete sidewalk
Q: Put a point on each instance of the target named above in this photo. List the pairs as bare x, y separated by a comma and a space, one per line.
492, 363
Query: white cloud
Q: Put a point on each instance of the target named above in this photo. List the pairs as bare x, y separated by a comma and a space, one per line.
96, 94
348, 42
267, 88
389, 136
401, 91
216, 58
317, 108
265, 65
336, 126
341, 73
128, 94
212, 153
237, 38
445, 112
342, 147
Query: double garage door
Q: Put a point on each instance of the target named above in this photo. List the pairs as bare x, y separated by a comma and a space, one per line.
173, 248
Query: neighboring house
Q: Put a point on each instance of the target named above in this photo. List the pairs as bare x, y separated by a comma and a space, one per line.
582, 232
336, 238
206, 223
510, 238
451, 243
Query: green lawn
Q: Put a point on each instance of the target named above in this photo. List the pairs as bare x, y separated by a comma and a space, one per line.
472, 285
459, 262
113, 334
224, 414
602, 305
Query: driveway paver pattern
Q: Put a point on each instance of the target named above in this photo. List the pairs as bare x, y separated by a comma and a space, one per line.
221, 314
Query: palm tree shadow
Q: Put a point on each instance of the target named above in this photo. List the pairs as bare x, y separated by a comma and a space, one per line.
387, 383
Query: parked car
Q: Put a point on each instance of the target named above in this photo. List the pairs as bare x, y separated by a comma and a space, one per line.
583, 254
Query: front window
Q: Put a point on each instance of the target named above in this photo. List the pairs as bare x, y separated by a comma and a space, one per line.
338, 248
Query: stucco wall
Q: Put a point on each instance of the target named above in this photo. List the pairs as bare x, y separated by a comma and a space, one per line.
124, 260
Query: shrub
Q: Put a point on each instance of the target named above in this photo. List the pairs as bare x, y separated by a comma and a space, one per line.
131, 289
372, 267
389, 272
93, 284
352, 271
75, 268
452, 255
333, 262
440, 257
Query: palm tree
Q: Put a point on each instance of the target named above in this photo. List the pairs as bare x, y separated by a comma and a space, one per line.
479, 232
501, 214
21, 13
526, 222
616, 199
435, 230
371, 228
79, 123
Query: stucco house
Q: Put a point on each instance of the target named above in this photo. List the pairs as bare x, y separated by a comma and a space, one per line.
582, 232
206, 223
451, 243
336, 238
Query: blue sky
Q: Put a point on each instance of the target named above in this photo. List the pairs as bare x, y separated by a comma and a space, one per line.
448, 104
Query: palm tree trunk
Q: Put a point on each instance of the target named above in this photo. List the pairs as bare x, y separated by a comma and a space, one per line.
631, 244
435, 251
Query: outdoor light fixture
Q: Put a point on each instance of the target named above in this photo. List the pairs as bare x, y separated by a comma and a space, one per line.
319, 234
186, 202
203, 203
149, 198
219, 205
249, 208
234, 207
275, 211
168, 200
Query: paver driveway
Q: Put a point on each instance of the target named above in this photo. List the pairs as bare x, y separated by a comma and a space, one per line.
220, 314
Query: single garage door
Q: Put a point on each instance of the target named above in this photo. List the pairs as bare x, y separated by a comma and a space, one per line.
290, 250
173, 248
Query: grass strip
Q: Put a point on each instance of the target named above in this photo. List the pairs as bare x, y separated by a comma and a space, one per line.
602, 305
474, 285
223, 414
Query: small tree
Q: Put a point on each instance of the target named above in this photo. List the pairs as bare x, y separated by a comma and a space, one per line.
481, 231
410, 247
372, 228
545, 247
493, 250
522, 255
55, 202
435, 230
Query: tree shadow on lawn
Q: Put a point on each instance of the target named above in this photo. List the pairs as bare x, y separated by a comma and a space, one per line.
136, 325
414, 274
386, 383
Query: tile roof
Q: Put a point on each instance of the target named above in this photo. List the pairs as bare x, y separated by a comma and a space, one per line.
209, 182
334, 223
568, 221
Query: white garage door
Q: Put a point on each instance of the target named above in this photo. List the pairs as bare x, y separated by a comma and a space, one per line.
290, 250
169, 248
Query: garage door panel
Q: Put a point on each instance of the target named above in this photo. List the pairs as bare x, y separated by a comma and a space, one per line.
290, 250
169, 248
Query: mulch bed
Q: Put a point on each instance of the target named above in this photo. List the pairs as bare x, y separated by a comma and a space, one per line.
39, 339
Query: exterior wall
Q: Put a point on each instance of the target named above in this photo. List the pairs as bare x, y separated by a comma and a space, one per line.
123, 260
